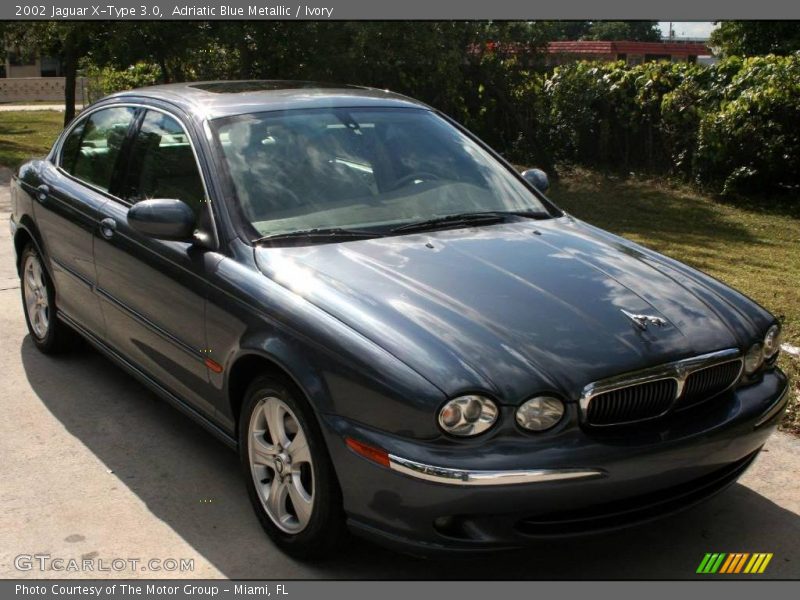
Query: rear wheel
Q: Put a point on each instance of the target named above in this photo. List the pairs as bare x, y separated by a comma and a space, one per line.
50, 335
290, 478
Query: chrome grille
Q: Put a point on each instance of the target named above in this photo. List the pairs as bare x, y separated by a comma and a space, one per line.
706, 383
633, 403
656, 391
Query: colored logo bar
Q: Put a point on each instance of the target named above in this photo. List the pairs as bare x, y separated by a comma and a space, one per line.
734, 563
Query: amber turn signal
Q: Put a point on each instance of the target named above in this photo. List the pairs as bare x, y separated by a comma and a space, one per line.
377, 455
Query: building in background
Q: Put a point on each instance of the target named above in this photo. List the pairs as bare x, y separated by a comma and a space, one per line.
633, 53
20, 62
26, 76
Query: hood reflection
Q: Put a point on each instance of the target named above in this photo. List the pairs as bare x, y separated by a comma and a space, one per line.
500, 309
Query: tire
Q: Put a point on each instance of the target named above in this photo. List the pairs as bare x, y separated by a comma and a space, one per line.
293, 488
49, 334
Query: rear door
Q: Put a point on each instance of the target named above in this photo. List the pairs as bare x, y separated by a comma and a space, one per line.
70, 197
152, 292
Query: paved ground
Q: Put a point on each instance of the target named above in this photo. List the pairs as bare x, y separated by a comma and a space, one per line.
93, 465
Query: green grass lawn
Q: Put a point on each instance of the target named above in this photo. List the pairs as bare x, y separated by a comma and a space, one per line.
26, 134
752, 249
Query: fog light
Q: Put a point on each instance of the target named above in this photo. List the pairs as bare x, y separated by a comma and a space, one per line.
772, 341
753, 359
467, 415
540, 413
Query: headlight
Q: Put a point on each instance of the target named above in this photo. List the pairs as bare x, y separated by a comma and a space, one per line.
753, 359
772, 341
467, 415
540, 413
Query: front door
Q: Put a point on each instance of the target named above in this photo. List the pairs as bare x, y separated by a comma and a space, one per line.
153, 292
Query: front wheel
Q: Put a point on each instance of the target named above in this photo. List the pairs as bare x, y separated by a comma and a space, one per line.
290, 478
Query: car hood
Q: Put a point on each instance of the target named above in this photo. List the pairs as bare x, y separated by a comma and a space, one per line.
511, 309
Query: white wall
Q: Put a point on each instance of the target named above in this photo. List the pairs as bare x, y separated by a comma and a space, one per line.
38, 89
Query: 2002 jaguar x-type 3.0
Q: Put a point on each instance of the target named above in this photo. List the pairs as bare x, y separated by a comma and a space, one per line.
398, 332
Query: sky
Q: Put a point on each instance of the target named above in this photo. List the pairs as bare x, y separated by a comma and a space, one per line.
688, 28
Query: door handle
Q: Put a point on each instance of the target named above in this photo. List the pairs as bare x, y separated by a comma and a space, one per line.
107, 227
42, 193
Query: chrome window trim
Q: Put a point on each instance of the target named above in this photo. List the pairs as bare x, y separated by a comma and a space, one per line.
450, 476
677, 371
58, 156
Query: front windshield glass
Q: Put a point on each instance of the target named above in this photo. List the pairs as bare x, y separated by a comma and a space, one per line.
360, 168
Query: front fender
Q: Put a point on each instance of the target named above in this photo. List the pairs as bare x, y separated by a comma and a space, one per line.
340, 371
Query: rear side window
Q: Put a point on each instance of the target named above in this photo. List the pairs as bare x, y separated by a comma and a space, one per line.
91, 150
162, 163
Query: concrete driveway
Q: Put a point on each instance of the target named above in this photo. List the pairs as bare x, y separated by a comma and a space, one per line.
94, 466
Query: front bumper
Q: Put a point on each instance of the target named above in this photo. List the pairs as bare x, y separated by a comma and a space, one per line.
506, 491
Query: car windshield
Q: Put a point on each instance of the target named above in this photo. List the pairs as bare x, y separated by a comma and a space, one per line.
366, 169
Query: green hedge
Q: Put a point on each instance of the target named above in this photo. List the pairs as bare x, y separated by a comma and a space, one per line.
732, 128
751, 141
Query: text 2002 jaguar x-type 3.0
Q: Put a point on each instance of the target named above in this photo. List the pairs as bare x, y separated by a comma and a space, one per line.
401, 335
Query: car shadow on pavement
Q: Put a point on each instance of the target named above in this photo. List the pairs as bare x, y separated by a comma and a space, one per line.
173, 466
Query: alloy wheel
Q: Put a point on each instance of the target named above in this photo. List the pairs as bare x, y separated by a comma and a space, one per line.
281, 465
37, 305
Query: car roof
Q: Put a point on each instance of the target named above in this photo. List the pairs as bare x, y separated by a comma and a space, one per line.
215, 99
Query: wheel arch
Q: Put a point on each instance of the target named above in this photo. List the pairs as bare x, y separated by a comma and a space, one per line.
252, 363
26, 233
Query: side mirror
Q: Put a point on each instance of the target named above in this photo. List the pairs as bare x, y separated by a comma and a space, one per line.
537, 178
163, 219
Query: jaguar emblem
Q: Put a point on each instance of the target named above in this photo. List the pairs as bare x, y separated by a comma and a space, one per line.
642, 321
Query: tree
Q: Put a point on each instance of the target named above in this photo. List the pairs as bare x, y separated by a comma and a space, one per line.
175, 46
751, 38
68, 40
565, 30
634, 31
422, 59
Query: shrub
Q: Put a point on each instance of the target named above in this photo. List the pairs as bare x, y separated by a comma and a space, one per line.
104, 81
505, 104
609, 114
731, 127
751, 142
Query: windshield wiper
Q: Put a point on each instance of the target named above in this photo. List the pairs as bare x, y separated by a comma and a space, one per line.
468, 218
318, 234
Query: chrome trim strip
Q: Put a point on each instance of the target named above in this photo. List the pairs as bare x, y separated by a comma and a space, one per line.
146, 322
773, 410
59, 266
677, 371
450, 476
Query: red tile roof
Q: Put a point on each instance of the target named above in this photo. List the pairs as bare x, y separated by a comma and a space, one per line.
623, 47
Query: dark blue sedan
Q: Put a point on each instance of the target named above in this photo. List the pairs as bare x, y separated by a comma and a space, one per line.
400, 334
